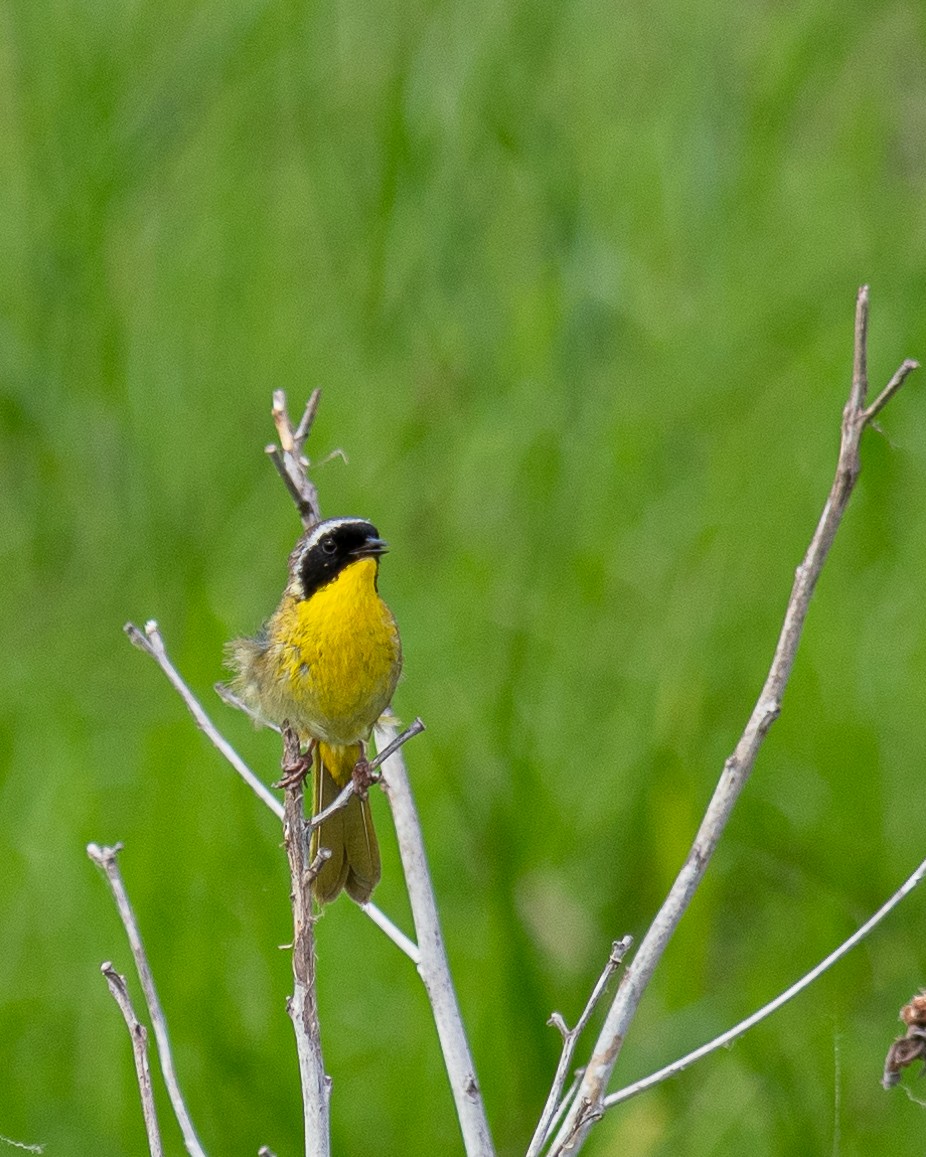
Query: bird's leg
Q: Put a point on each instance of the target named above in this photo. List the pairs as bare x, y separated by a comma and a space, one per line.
363, 774
296, 765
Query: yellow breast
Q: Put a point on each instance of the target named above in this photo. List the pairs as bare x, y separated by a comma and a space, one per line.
339, 656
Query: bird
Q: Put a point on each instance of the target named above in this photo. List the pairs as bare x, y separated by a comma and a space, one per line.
326, 663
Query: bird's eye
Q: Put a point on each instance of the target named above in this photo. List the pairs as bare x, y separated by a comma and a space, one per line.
328, 546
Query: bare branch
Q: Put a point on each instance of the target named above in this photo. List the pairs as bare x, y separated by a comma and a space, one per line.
766, 1010
587, 1104
152, 643
619, 949
139, 1036
303, 1005
433, 966
288, 458
228, 697
409, 947
891, 389
106, 858
342, 799
21, 1145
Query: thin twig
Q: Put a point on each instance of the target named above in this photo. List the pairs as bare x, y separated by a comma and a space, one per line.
409, 947
106, 858
565, 1101
21, 1145
891, 389
152, 643
342, 799
433, 965
619, 949
288, 458
587, 1104
303, 1005
766, 1010
228, 697
139, 1037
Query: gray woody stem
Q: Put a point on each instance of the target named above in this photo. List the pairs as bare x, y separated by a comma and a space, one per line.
303, 1005
106, 858
570, 1036
432, 958
433, 966
782, 998
588, 1102
139, 1037
151, 642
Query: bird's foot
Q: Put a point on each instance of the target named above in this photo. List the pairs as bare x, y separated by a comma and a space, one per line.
364, 775
295, 764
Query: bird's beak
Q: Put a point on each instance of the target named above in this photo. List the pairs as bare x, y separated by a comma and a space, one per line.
370, 548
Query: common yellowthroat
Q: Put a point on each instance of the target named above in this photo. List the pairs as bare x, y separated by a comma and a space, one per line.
327, 661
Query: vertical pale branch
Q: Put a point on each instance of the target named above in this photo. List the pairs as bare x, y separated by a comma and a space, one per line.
106, 859
433, 966
587, 1104
432, 963
139, 1038
303, 1005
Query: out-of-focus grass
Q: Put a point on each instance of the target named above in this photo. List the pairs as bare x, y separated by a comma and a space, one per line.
578, 284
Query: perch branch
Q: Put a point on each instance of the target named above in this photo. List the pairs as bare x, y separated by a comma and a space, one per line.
106, 859
152, 643
619, 949
432, 958
766, 1010
139, 1036
433, 966
342, 798
303, 1005
588, 1103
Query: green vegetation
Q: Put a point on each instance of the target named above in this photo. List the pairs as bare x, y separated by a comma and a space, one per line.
578, 283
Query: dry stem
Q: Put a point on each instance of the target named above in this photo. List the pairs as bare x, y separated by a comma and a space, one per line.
433, 966
303, 1005
570, 1036
766, 1010
152, 643
288, 457
139, 1038
432, 957
106, 858
588, 1102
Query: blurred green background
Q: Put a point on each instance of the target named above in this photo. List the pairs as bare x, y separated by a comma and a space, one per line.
578, 283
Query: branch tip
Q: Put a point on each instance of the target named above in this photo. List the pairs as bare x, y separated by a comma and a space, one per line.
558, 1022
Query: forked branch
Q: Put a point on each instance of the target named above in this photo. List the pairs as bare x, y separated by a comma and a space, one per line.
433, 966
588, 1103
106, 859
139, 1037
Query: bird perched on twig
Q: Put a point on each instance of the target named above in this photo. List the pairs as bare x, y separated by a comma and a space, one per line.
327, 662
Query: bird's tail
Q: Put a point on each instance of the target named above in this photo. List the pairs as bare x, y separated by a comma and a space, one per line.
348, 834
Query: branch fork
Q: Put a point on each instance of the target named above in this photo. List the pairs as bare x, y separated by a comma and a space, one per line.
589, 1099
430, 959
